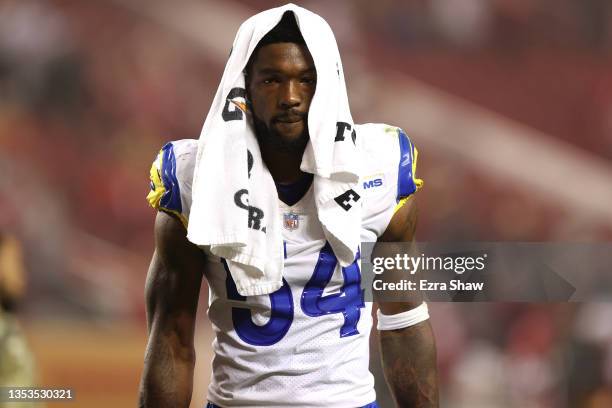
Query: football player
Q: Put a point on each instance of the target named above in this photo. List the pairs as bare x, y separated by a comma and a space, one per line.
307, 344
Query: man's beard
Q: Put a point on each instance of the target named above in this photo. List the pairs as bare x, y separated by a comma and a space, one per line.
270, 138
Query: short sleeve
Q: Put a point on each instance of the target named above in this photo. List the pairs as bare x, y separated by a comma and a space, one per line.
407, 181
389, 173
170, 178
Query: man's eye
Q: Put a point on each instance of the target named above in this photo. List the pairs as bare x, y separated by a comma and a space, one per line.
268, 81
309, 80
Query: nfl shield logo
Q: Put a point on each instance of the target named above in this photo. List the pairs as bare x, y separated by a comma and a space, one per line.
291, 221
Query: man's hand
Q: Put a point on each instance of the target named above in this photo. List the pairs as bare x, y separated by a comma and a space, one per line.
172, 291
408, 354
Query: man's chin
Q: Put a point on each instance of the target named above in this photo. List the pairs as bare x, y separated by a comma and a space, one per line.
290, 143
287, 138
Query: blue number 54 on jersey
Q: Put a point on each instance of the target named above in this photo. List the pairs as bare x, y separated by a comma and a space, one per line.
348, 301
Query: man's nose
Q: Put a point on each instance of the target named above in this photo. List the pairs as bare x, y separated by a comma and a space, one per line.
290, 95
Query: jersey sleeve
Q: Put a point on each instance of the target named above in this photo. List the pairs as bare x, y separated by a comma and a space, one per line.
389, 179
171, 176
407, 181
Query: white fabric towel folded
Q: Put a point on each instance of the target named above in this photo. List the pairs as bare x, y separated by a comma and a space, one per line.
235, 204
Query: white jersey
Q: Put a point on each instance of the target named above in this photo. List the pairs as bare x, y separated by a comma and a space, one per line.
306, 344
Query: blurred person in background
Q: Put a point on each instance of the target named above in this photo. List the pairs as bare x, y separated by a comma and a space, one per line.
16, 361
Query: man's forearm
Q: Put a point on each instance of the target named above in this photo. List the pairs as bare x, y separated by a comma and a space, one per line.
409, 362
167, 380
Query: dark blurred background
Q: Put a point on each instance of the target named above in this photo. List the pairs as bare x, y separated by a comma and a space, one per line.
508, 101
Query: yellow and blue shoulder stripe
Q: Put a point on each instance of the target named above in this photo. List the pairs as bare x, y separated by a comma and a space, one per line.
407, 182
165, 194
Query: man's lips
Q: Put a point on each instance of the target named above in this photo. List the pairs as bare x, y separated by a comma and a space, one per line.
289, 119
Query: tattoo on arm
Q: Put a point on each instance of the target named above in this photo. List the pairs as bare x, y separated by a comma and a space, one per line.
409, 362
172, 291
408, 354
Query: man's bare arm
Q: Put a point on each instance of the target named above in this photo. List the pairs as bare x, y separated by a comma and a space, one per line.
408, 354
172, 290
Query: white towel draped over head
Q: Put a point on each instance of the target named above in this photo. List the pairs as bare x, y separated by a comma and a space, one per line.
235, 204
